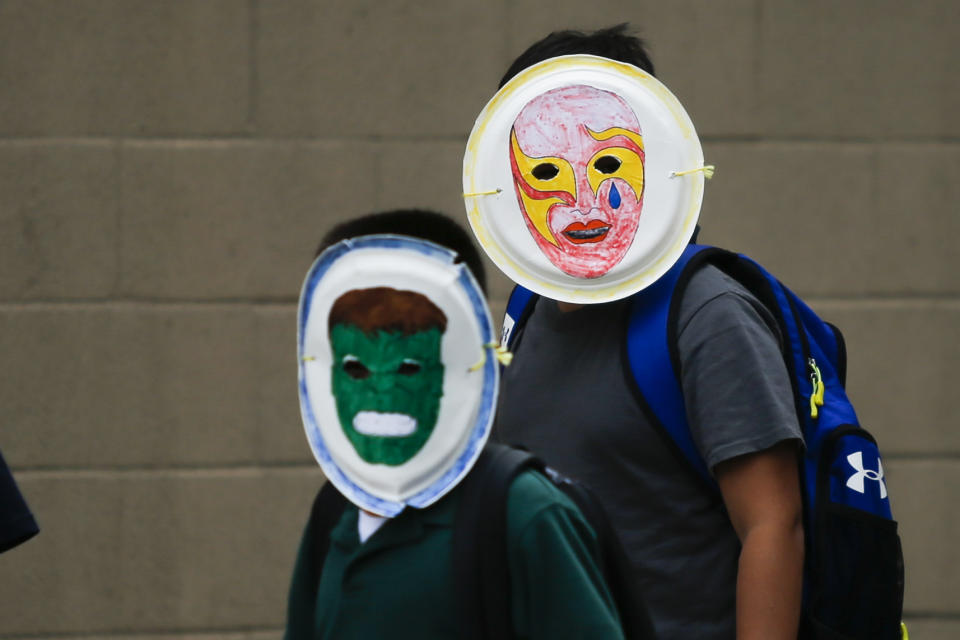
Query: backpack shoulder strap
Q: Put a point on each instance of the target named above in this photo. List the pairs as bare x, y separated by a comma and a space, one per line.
614, 562
519, 306
652, 348
652, 357
480, 555
481, 569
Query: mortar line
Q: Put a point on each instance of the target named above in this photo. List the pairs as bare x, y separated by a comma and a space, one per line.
948, 616
857, 300
146, 470
461, 138
6, 305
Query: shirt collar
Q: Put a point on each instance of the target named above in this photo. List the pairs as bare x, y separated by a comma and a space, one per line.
406, 527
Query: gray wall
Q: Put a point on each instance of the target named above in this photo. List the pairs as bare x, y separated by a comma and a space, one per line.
166, 169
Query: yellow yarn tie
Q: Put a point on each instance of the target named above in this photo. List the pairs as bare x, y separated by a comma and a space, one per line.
500, 352
816, 395
483, 193
308, 358
503, 355
903, 632
707, 170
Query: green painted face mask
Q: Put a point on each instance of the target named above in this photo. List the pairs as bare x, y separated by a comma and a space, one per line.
387, 387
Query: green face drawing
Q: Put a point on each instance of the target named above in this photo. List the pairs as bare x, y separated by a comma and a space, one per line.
387, 387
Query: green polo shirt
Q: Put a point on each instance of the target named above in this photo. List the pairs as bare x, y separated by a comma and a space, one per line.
399, 584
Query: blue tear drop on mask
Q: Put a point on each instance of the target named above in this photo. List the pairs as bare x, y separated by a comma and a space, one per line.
614, 197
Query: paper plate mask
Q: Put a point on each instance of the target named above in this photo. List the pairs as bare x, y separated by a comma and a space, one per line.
583, 179
397, 380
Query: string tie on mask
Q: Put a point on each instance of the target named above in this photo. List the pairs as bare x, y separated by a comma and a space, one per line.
483, 193
500, 352
308, 358
707, 170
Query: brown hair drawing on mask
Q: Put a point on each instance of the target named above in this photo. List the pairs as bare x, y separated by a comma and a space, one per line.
387, 309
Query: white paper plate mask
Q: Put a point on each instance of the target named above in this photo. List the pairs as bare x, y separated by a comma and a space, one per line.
583, 179
397, 380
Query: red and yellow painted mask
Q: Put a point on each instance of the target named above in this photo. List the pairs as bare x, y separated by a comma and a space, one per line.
577, 158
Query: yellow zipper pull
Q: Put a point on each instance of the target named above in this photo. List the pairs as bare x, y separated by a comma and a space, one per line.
816, 394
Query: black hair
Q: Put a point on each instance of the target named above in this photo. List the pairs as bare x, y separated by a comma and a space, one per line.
417, 223
615, 42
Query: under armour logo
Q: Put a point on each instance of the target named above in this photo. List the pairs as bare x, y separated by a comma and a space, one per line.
857, 480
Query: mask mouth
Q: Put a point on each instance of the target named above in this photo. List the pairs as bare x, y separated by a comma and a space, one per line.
580, 233
384, 425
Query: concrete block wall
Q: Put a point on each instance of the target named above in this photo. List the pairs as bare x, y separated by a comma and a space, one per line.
166, 170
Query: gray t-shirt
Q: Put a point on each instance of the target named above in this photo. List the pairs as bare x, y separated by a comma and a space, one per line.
567, 398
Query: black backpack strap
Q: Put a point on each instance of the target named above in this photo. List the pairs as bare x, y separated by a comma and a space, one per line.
481, 570
613, 560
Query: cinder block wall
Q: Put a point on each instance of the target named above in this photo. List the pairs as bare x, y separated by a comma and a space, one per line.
166, 169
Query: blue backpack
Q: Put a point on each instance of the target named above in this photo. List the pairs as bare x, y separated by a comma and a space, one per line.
853, 575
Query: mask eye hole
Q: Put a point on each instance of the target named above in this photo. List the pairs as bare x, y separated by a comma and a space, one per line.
409, 368
545, 171
606, 164
355, 369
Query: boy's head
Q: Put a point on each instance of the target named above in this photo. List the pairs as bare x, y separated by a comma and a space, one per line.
577, 158
614, 43
417, 223
397, 375
603, 163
